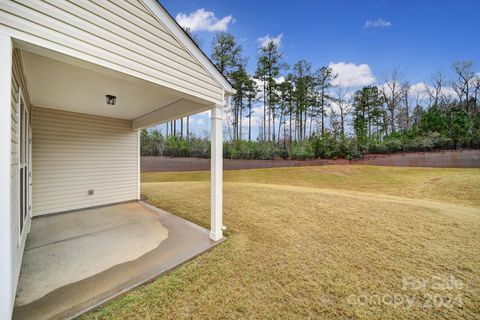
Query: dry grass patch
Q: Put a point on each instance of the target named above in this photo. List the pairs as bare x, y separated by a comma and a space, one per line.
304, 241
451, 185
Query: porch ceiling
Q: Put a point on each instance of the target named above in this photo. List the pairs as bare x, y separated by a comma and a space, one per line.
60, 82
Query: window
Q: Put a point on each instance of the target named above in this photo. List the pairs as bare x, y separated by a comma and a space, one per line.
24, 160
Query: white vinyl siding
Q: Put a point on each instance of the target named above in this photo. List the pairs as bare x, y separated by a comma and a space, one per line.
18, 81
122, 34
73, 153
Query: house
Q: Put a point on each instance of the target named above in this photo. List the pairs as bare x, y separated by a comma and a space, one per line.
78, 81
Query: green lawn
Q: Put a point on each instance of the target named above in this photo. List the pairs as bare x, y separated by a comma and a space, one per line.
321, 242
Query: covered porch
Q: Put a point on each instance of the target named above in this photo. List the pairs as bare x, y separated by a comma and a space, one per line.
83, 135
81, 234
78, 81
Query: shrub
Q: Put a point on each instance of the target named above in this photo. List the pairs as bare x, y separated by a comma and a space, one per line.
301, 151
199, 148
323, 146
418, 138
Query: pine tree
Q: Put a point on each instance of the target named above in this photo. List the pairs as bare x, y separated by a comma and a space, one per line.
303, 81
323, 82
240, 78
251, 91
366, 104
269, 65
227, 54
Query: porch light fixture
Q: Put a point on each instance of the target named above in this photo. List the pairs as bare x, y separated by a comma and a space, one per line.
111, 100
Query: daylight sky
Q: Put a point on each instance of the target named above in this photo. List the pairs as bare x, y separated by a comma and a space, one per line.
361, 40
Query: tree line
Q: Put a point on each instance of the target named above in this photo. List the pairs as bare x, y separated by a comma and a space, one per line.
302, 108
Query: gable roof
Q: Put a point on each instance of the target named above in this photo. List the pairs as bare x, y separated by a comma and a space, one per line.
134, 37
159, 11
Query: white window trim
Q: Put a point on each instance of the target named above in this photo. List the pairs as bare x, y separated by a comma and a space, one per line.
25, 220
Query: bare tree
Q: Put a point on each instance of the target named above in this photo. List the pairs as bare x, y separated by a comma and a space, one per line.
476, 92
464, 82
392, 94
335, 126
229, 117
408, 99
342, 102
434, 89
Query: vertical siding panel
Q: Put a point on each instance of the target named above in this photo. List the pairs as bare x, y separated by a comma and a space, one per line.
73, 153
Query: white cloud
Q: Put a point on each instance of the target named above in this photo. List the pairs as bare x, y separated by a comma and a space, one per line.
419, 88
352, 75
379, 23
280, 79
265, 40
448, 92
420, 91
202, 20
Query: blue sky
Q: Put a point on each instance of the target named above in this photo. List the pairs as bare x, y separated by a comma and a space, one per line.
418, 38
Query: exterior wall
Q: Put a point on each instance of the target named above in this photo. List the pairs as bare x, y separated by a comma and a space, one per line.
18, 244
121, 35
7, 291
73, 153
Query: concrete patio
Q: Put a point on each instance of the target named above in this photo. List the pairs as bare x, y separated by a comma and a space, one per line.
76, 261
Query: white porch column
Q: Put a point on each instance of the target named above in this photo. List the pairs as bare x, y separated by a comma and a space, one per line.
6, 283
139, 157
216, 172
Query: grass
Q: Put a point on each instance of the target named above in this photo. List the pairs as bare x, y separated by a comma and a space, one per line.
315, 242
